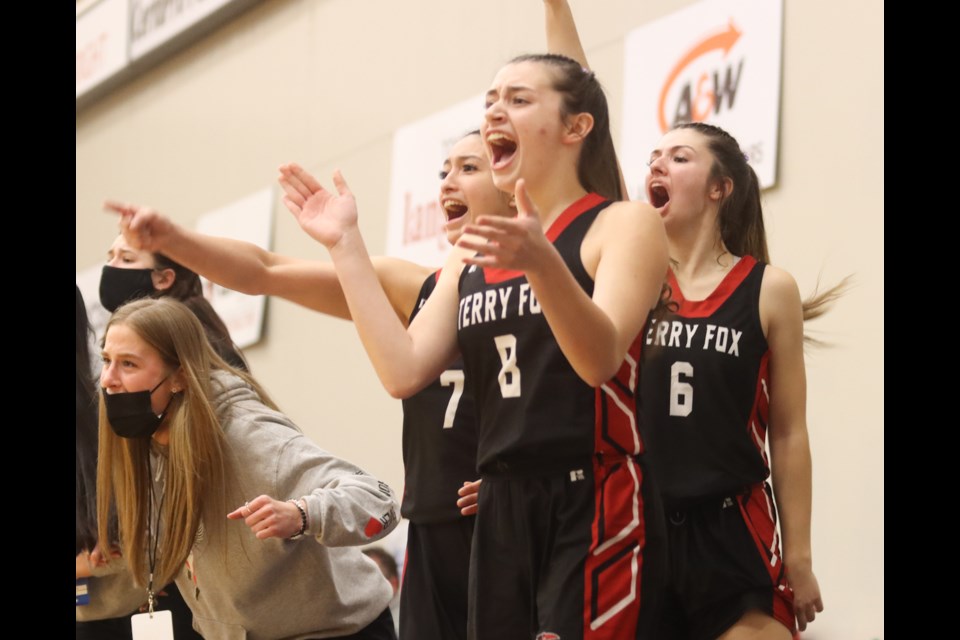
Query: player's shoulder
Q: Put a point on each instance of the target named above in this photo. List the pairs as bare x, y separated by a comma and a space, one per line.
631, 219
779, 284
633, 210
780, 303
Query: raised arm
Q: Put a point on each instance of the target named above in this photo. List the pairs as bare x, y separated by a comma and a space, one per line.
629, 250
562, 36
406, 360
782, 316
247, 268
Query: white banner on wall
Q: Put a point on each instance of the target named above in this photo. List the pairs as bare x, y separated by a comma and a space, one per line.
415, 224
249, 219
155, 22
716, 61
101, 43
118, 39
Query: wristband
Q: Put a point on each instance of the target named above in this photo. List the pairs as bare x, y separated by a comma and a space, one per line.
303, 520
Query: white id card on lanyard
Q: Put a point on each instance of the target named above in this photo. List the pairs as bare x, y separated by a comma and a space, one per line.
152, 626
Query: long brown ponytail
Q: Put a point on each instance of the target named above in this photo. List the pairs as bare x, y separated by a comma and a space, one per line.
597, 167
740, 217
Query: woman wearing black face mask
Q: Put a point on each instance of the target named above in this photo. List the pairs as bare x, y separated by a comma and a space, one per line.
131, 274
106, 596
208, 476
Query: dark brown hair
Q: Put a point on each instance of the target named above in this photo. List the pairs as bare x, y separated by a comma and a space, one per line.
187, 289
86, 478
740, 216
597, 167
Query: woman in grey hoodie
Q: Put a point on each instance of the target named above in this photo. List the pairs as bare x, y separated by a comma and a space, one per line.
217, 489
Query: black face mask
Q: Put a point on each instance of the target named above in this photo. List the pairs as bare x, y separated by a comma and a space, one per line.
130, 414
118, 286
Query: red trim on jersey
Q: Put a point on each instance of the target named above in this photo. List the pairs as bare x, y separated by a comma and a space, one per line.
616, 401
496, 275
436, 276
706, 307
760, 412
571, 213
614, 565
758, 515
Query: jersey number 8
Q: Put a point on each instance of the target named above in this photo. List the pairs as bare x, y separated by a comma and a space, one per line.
509, 376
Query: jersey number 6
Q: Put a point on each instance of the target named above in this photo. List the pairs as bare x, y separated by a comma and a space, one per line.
681, 392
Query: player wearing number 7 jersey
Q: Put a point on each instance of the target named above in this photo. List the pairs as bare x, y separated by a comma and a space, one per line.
439, 429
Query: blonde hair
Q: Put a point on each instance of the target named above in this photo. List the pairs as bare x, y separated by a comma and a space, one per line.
197, 468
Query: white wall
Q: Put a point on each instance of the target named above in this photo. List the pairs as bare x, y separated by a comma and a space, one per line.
325, 83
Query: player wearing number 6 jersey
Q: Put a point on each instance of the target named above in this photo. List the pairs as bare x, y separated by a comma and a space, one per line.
439, 430
710, 354
721, 373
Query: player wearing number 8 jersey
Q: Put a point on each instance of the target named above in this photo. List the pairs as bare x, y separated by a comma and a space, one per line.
500, 320
576, 540
547, 136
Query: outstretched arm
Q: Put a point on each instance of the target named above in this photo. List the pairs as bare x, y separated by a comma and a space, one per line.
626, 245
406, 360
247, 268
782, 316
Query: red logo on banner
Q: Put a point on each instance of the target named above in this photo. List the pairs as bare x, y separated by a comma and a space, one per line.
696, 107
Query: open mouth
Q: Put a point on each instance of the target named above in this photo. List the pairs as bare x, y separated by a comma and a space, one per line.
454, 208
502, 149
659, 196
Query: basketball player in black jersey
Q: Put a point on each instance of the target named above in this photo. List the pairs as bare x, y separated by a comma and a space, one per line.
558, 545
439, 427
721, 374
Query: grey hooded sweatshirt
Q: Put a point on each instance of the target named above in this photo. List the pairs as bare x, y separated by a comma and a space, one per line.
317, 586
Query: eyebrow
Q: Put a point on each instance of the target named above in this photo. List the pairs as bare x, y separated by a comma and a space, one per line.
509, 89
120, 356
469, 156
656, 153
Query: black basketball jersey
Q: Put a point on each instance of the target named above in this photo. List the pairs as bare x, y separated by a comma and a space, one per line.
704, 395
439, 440
533, 410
